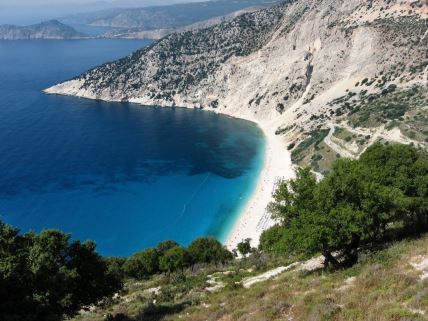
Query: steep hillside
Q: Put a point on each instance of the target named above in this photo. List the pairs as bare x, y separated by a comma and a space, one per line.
331, 76
386, 285
52, 29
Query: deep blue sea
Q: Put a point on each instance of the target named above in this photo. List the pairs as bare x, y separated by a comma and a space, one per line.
123, 175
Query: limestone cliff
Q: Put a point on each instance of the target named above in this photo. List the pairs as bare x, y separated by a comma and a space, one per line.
357, 68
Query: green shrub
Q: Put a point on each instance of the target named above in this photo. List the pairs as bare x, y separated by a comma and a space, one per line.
47, 277
208, 250
358, 202
315, 138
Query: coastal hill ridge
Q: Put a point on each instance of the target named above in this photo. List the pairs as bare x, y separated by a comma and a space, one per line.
52, 29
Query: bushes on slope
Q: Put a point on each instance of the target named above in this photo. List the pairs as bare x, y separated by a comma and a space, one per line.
361, 202
46, 276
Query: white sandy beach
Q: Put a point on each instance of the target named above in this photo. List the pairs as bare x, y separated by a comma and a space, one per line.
255, 219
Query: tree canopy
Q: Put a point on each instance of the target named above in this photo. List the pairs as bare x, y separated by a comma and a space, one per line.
244, 247
208, 250
47, 276
176, 258
363, 201
142, 264
169, 256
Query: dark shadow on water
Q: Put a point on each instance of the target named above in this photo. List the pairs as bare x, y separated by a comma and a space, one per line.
65, 143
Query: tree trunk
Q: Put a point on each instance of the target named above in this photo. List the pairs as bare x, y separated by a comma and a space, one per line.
330, 259
351, 251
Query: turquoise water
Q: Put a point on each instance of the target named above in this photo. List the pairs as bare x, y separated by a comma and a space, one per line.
123, 175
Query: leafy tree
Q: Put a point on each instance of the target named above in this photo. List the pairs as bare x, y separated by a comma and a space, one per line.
208, 250
174, 259
351, 207
244, 247
358, 202
271, 240
142, 264
294, 201
164, 246
291, 197
47, 277
115, 266
15, 276
404, 168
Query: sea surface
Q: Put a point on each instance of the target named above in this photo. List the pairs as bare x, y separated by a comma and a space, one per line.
123, 175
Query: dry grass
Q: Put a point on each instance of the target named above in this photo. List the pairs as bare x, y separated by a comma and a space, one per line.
383, 286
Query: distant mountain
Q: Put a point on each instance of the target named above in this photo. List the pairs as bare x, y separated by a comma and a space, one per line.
141, 33
52, 29
164, 17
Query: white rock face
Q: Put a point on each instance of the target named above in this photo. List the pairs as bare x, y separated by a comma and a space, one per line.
279, 66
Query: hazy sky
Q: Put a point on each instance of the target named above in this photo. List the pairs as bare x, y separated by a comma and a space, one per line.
58, 3
24, 12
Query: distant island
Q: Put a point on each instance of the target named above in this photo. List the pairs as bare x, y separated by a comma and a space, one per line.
52, 29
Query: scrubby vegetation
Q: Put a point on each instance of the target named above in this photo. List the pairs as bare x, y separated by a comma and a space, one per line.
371, 110
47, 277
382, 286
169, 257
313, 139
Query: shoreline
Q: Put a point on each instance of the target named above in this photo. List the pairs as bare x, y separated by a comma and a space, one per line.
254, 218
